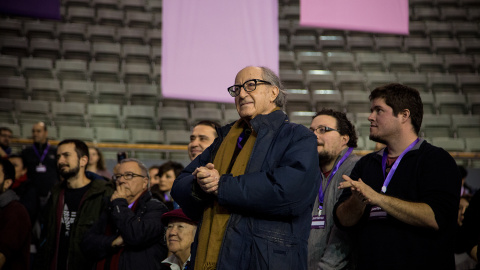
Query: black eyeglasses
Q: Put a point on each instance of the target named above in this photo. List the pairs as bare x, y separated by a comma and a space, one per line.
323, 129
126, 176
249, 86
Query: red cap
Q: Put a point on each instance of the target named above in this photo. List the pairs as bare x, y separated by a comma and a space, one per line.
175, 214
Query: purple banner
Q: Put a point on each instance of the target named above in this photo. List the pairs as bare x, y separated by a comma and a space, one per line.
41, 9
205, 43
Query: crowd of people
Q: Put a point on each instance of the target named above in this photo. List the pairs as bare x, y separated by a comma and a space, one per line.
259, 193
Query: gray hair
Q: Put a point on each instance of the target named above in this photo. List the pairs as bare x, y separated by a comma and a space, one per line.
142, 167
271, 77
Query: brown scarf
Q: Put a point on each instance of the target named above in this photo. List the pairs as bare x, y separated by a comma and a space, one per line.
215, 217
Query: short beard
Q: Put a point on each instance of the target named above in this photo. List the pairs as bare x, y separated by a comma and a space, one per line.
377, 139
324, 158
70, 173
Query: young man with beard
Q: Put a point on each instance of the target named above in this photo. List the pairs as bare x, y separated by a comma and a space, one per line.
75, 204
329, 247
401, 201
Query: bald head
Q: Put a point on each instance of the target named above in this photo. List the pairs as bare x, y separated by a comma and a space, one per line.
39, 133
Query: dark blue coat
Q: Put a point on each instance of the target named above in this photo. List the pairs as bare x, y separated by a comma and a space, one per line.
270, 204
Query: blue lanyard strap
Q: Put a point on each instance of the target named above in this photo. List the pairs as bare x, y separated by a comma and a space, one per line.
321, 191
44, 152
395, 165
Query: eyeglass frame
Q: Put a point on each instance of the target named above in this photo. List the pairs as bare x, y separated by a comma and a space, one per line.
234, 93
326, 129
116, 177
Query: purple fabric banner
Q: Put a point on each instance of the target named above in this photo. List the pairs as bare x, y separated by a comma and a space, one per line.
205, 43
380, 16
41, 9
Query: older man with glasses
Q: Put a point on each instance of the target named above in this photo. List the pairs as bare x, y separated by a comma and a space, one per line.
253, 189
129, 235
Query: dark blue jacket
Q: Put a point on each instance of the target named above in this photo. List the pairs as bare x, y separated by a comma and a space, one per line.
270, 205
142, 232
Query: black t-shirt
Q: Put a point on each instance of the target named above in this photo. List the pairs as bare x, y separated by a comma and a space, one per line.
72, 201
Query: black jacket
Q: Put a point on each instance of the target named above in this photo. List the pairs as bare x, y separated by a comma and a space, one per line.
142, 232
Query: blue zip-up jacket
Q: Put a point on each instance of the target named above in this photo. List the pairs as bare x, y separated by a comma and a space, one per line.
270, 205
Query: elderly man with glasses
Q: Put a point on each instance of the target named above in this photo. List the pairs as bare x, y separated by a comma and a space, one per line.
129, 234
253, 189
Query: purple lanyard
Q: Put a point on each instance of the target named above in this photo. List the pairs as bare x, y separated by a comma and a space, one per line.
321, 192
44, 152
395, 165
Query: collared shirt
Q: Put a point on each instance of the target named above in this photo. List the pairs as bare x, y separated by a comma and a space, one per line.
175, 262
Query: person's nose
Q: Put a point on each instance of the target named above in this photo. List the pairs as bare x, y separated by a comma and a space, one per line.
243, 93
370, 117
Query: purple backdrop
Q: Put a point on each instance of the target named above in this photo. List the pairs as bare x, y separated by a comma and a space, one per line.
43, 9
382, 16
205, 43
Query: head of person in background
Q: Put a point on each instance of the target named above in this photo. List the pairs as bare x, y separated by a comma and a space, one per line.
202, 136
39, 133
167, 173
153, 171
465, 188
132, 180
5, 140
334, 133
96, 163
162, 183
464, 202
179, 235
20, 170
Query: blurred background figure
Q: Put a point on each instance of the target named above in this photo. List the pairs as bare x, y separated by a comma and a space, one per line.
14, 223
153, 171
465, 188
162, 182
179, 235
465, 236
5, 139
96, 164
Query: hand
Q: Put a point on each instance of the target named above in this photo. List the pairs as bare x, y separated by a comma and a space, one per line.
360, 191
3, 154
207, 178
118, 242
121, 192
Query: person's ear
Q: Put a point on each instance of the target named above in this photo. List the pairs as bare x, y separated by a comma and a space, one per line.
6, 184
275, 92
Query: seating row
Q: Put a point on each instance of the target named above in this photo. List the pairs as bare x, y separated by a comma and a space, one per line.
348, 80
106, 134
134, 5
459, 29
431, 45
379, 62
35, 68
54, 49
358, 101
78, 31
110, 115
